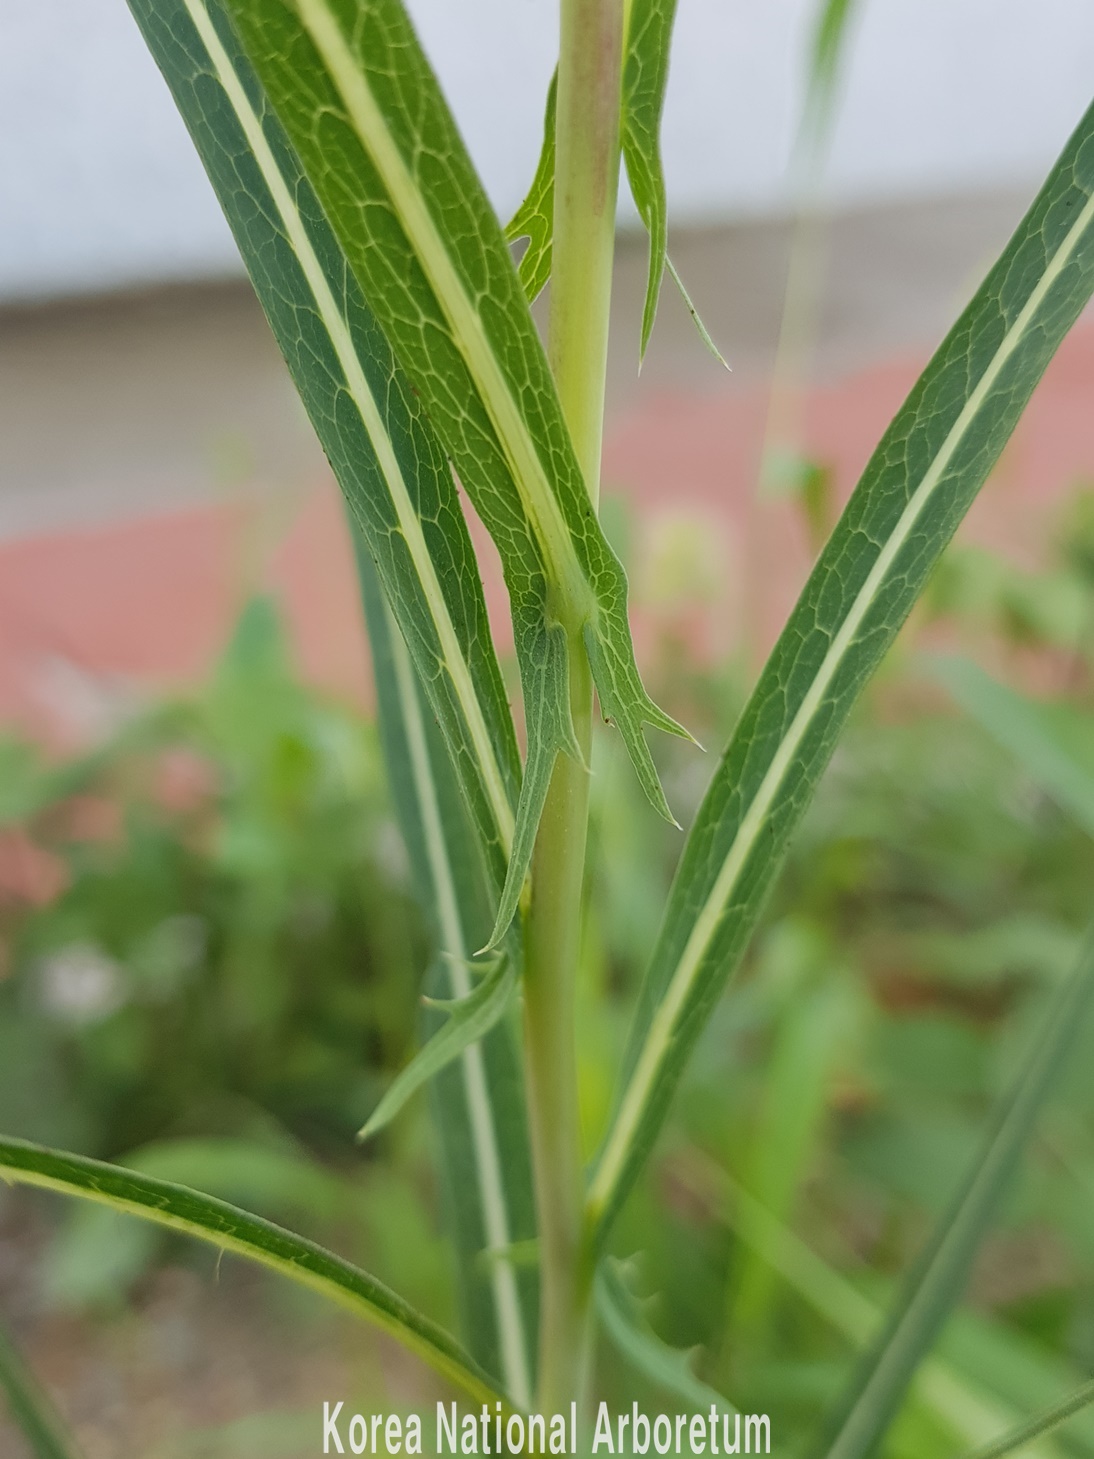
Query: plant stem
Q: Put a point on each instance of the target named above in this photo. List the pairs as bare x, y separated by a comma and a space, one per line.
586, 184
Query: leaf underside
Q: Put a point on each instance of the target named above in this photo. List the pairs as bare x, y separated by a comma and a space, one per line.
914, 492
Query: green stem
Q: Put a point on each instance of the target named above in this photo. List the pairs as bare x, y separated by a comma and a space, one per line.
586, 184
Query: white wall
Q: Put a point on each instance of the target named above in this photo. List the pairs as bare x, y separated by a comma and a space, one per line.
99, 186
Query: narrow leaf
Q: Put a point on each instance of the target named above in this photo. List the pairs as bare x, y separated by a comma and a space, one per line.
939, 1384
230, 1229
704, 333
468, 1019
392, 471
534, 219
625, 1323
936, 1282
1029, 731
31, 1407
1044, 1423
645, 75
355, 93
809, 1039
826, 51
916, 488
478, 1102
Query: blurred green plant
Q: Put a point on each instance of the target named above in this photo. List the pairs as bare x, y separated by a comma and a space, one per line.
390, 287
232, 930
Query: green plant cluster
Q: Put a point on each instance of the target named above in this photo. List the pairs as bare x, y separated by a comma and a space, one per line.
391, 289
935, 895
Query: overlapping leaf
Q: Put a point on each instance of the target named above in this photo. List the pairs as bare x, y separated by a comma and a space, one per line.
478, 1100
230, 1229
914, 492
394, 475
356, 95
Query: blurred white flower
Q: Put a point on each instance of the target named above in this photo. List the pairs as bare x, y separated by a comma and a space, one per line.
81, 984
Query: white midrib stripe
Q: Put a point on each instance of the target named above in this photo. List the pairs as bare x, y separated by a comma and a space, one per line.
370, 127
487, 1158
337, 328
706, 924
227, 1240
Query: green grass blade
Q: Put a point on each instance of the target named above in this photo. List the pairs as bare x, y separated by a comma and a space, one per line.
915, 490
230, 1229
940, 1385
645, 75
31, 1407
935, 1283
393, 473
534, 219
826, 51
355, 93
1025, 1434
623, 1320
809, 1039
477, 1102
1029, 731
468, 1019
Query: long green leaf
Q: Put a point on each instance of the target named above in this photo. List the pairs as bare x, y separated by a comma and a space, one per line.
230, 1229
478, 1103
935, 1283
353, 88
1024, 1435
31, 1407
391, 469
1028, 731
916, 488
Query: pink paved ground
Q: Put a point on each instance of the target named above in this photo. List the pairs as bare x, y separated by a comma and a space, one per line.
91, 616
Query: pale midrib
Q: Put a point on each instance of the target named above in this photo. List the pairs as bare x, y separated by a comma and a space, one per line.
483, 1131
338, 331
657, 1040
377, 1313
535, 489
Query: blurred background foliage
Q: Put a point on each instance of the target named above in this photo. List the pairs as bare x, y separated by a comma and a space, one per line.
211, 968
